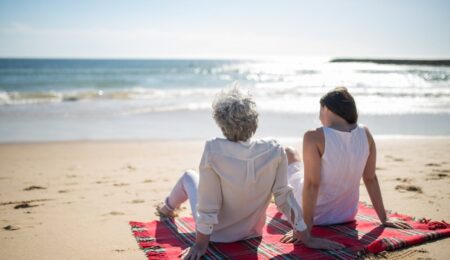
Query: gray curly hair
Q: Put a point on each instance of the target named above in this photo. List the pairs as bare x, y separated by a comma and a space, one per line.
235, 113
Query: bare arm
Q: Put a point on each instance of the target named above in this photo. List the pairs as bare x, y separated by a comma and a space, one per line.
373, 186
311, 158
371, 180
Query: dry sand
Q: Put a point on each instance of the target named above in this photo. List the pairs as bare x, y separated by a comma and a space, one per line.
75, 199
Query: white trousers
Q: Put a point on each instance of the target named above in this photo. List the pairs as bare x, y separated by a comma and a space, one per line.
185, 189
187, 186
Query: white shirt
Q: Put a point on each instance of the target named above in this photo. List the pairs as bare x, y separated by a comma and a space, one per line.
342, 166
237, 180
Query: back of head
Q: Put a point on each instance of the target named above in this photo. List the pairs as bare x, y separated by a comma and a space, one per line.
341, 102
235, 113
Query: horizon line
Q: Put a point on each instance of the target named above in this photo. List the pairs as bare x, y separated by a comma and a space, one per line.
329, 58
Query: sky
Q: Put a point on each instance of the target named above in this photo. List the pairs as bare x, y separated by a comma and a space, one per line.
225, 29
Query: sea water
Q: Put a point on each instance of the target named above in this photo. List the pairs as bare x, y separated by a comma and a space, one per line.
62, 99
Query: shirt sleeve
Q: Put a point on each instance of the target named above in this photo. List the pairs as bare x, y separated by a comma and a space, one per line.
284, 196
209, 196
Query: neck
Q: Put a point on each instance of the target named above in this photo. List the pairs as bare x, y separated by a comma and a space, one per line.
341, 126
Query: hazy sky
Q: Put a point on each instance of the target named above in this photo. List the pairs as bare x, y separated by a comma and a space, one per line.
225, 29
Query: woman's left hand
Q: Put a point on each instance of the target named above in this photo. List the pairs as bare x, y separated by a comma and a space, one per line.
288, 237
395, 223
304, 237
193, 253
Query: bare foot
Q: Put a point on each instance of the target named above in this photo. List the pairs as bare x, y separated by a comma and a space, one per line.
163, 211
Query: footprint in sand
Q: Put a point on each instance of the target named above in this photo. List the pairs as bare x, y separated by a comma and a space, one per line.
120, 184
22, 202
63, 191
24, 205
11, 227
441, 170
395, 159
115, 213
137, 201
34, 187
73, 168
129, 167
413, 188
432, 165
438, 174
148, 181
101, 182
408, 180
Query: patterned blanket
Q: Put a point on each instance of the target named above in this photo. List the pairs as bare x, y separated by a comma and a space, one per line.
167, 238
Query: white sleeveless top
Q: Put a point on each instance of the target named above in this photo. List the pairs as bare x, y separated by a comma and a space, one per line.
342, 166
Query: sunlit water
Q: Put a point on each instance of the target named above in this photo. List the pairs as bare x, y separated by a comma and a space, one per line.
124, 99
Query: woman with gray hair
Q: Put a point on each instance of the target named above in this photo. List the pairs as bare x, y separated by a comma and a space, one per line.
237, 178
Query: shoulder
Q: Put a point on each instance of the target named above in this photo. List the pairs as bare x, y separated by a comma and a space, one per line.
314, 136
215, 141
209, 144
370, 139
367, 131
269, 143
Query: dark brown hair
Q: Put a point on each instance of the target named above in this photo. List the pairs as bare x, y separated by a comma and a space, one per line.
340, 102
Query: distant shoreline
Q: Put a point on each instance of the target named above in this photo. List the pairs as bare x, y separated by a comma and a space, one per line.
396, 62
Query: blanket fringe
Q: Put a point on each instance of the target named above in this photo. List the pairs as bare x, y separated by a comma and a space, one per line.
433, 225
147, 243
403, 254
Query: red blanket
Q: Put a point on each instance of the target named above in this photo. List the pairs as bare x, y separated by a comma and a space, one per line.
166, 239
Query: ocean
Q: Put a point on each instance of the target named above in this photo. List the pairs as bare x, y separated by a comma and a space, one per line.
88, 99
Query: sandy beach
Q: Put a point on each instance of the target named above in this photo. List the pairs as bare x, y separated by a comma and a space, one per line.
73, 200
105, 104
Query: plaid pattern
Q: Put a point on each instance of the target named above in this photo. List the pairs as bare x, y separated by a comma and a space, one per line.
166, 239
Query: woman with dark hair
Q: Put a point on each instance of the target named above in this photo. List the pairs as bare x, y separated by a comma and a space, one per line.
336, 156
